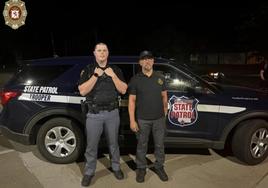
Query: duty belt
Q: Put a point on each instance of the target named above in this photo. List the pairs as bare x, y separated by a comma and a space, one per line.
96, 108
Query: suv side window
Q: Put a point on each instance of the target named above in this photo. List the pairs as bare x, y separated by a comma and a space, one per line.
175, 79
127, 70
39, 75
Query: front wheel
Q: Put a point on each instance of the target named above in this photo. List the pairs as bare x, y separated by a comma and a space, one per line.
250, 142
60, 140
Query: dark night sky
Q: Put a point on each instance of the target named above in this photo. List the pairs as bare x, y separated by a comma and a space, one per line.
130, 27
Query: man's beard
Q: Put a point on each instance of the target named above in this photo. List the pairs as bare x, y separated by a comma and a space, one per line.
147, 68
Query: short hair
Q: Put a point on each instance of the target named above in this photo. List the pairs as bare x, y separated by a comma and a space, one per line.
100, 43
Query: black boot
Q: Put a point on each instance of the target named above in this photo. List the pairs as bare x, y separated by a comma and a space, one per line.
119, 174
161, 174
140, 174
86, 180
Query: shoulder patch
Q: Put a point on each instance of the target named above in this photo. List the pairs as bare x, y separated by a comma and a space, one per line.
160, 81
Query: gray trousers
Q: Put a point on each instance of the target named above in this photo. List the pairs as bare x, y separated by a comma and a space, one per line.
158, 129
95, 124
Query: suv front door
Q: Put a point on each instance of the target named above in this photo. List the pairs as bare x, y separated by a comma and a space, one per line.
193, 106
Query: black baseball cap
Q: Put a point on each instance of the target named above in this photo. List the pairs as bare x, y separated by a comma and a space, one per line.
146, 55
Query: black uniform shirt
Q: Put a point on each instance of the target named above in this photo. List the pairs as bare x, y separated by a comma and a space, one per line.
148, 91
104, 91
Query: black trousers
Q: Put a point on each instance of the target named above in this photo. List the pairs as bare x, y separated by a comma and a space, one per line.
158, 128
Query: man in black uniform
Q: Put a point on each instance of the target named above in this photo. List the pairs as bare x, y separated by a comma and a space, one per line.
101, 83
148, 98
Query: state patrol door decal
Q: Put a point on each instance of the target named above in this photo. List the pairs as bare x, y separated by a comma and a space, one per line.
182, 111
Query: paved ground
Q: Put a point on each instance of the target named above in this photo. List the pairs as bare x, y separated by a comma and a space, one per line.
22, 166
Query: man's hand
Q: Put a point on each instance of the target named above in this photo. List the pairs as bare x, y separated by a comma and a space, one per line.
134, 126
99, 71
109, 72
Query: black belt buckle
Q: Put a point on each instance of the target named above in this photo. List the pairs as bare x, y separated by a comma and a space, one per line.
93, 111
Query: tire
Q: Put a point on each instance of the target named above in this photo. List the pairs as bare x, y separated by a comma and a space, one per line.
250, 142
60, 140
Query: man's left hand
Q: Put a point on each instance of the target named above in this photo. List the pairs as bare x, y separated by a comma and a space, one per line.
109, 72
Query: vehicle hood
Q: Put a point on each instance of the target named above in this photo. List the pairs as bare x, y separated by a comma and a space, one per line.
244, 93
251, 99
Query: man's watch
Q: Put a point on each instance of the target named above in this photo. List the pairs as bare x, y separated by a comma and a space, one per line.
96, 74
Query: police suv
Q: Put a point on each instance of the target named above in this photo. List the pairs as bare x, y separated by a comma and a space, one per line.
41, 105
